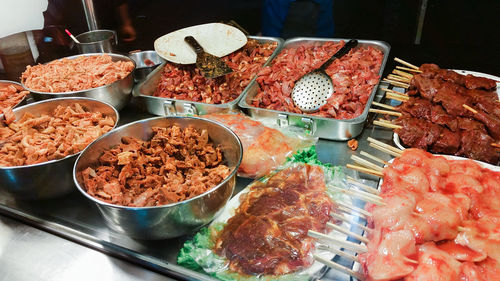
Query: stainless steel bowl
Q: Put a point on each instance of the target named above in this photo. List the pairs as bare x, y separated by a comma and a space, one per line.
172, 220
19, 88
117, 93
52, 178
142, 68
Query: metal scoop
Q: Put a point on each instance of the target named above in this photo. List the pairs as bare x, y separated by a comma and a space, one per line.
312, 90
210, 65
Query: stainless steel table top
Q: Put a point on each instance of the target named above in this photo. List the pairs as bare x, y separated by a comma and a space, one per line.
28, 253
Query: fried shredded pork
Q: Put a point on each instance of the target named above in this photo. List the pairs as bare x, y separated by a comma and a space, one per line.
187, 82
81, 73
36, 139
10, 95
175, 165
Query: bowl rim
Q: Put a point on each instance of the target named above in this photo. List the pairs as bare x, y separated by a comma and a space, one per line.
90, 31
130, 55
20, 85
89, 89
68, 156
128, 208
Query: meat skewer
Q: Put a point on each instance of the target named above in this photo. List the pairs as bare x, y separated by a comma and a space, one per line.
440, 216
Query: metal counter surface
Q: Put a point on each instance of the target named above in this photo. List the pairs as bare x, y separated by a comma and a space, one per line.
28, 253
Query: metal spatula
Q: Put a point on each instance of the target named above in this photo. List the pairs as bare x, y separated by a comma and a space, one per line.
210, 65
312, 90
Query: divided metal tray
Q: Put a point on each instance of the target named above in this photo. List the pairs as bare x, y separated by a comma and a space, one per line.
170, 107
326, 128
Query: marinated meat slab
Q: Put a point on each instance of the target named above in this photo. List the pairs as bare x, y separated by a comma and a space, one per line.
37, 139
186, 82
440, 221
353, 76
81, 73
268, 233
175, 165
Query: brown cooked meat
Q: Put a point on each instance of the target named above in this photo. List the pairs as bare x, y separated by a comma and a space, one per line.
175, 165
36, 139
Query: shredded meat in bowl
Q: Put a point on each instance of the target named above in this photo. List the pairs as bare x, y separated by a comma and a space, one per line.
81, 73
175, 165
36, 139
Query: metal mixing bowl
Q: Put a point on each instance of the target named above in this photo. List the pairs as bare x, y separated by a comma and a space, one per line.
117, 93
19, 88
142, 68
172, 220
52, 178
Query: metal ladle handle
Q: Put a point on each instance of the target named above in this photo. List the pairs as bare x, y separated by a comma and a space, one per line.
194, 44
340, 53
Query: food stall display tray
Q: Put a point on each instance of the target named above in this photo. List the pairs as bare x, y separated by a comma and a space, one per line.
170, 107
326, 128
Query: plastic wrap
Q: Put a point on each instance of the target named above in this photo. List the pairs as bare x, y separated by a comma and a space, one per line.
200, 253
264, 148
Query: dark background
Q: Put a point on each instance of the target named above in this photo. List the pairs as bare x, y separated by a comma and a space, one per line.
456, 34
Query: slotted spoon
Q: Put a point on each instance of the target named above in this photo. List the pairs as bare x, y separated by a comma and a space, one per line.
312, 90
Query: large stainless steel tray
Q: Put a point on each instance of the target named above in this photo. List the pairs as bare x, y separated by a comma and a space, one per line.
75, 218
170, 107
326, 128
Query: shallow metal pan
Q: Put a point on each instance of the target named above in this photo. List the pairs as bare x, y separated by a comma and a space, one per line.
326, 128
171, 107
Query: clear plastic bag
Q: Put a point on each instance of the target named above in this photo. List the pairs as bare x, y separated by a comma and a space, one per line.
201, 252
264, 148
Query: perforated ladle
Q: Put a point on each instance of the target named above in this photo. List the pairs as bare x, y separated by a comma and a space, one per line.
312, 90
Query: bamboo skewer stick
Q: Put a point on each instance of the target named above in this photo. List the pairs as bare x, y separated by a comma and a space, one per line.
342, 218
390, 152
388, 146
396, 83
347, 232
355, 209
409, 69
362, 185
387, 125
366, 163
360, 195
398, 95
402, 73
339, 267
495, 144
337, 252
348, 211
384, 105
384, 120
469, 108
357, 192
398, 78
365, 170
392, 113
345, 244
406, 63
368, 155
